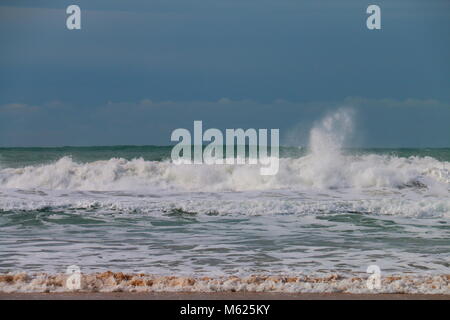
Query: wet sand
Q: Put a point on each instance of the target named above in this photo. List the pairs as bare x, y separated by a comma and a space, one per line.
217, 296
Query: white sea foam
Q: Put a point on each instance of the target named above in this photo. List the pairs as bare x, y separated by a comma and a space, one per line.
120, 282
229, 204
312, 171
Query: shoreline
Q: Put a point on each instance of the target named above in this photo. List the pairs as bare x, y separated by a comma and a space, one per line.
146, 285
218, 296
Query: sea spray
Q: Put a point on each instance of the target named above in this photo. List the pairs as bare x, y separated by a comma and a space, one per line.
325, 166
328, 137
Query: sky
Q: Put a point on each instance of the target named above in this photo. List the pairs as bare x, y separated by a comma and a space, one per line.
137, 70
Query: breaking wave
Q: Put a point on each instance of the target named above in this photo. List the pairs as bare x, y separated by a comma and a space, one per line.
311, 171
325, 166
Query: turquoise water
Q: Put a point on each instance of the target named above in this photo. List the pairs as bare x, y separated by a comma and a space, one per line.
17, 157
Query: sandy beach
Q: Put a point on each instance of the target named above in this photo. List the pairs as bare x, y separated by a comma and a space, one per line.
217, 296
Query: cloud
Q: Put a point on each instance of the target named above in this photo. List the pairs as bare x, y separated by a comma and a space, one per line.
18, 108
394, 103
224, 101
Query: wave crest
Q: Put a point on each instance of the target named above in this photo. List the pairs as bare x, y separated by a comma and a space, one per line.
311, 171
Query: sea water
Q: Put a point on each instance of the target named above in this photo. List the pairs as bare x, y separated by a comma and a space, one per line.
130, 209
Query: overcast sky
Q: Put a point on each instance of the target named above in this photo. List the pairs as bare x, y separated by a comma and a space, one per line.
139, 69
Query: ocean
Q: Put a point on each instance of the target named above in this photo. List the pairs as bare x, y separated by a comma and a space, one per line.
329, 210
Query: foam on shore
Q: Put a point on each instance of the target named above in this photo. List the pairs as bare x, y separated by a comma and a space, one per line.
120, 282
